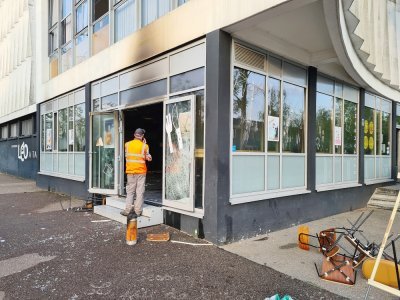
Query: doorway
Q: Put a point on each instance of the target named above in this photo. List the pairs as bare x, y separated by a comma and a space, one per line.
150, 118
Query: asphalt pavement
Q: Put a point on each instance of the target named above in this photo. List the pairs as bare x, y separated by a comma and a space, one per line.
48, 251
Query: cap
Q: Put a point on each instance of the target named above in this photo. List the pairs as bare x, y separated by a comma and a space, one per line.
139, 132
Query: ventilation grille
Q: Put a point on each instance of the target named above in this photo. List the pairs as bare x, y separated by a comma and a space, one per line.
249, 57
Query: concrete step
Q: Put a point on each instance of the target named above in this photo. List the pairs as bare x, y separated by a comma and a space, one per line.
386, 198
117, 202
381, 204
151, 215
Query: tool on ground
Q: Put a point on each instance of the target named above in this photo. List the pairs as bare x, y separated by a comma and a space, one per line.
158, 237
131, 229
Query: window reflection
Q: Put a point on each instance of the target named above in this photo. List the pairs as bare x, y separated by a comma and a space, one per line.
109, 101
338, 124
274, 96
293, 118
324, 108
153, 9
350, 127
82, 16
248, 110
100, 38
125, 19
81, 47
62, 130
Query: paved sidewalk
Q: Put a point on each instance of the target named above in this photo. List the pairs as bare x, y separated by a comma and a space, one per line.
58, 254
12, 185
279, 251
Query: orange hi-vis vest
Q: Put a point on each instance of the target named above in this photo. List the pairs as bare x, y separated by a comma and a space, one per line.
135, 156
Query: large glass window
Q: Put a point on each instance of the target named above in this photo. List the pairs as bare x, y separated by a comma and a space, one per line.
62, 130
100, 38
248, 110
154, 9
293, 118
125, 19
4, 132
53, 12
268, 121
62, 136
79, 135
66, 57
336, 133
99, 8
81, 47
27, 127
377, 138
82, 17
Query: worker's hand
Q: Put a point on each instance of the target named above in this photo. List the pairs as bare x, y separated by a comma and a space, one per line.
144, 141
148, 157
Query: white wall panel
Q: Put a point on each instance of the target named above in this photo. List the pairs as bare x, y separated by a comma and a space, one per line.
15, 58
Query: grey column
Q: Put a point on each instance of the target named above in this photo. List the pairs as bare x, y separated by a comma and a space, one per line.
394, 141
88, 106
38, 135
217, 123
311, 127
361, 122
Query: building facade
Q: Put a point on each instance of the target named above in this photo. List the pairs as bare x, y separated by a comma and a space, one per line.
258, 116
18, 135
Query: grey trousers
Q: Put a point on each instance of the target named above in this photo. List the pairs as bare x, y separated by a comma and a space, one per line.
135, 186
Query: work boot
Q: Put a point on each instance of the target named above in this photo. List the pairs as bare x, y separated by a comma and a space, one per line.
124, 213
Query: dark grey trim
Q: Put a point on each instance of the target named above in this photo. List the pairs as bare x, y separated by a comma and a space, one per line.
88, 104
361, 137
394, 142
38, 134
311, 149
217, 228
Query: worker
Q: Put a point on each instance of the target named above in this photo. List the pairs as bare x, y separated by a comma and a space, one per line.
136, 155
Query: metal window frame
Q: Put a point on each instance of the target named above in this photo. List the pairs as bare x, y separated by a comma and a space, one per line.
255, 196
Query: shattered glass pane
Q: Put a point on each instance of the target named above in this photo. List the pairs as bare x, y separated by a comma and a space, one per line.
178, 156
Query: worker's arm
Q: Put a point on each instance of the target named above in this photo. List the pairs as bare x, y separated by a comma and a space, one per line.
148, 155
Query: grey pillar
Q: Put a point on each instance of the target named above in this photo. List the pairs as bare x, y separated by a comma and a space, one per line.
311, 127
361, 122
87, 129
216, 189
394, 141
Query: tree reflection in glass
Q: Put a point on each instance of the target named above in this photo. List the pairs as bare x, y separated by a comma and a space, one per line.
350, 127
324, 110
293, 119
248, 110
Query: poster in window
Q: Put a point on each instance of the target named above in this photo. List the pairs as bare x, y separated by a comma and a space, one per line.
338, 136
48, 139
273, 129
109, 133
371, 143
366, 127
371, 127
70, 137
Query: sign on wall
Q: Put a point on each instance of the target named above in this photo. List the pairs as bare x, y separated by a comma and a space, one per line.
23, 152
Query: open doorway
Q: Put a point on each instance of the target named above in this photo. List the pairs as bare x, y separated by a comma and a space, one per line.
150, 118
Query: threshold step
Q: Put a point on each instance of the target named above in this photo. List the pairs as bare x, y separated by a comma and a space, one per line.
381, 204
113, 213
380, 197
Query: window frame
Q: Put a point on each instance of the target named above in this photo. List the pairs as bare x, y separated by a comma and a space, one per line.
378, 110
339, 184
281, 191
71, 102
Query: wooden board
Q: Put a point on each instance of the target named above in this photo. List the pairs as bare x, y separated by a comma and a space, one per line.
386, 273
158, 237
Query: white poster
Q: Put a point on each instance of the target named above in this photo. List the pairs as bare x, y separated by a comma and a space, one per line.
71, 137
273, 129
338, 136
48, 138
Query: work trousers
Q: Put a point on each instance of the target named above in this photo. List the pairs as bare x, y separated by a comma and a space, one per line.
135, 187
